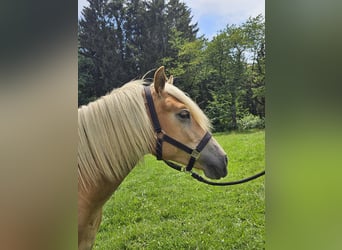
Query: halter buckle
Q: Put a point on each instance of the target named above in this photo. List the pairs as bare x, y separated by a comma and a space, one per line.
195, 154
160, 134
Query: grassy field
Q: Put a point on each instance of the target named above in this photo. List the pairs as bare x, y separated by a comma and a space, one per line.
157, 207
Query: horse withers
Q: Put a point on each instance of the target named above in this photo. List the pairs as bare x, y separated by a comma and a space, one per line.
118, 129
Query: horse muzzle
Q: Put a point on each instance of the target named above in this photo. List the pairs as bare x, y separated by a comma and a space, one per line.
213, 161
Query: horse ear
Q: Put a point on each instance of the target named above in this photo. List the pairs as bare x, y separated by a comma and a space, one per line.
170, 81
159, 80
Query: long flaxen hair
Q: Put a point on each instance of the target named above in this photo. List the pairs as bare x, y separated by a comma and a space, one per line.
115, 131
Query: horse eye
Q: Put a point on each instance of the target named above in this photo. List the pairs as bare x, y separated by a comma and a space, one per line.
184, 114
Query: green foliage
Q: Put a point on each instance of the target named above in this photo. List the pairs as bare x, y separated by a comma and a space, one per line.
85, 80
236, 62
187, 66
121, 40
157, 207
217, 110
251, 122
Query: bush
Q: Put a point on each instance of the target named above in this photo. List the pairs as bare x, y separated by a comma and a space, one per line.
250, 122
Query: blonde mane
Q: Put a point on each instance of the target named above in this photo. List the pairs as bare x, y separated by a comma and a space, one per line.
115, 131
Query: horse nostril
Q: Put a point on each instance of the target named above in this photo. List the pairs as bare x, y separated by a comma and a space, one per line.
226, 159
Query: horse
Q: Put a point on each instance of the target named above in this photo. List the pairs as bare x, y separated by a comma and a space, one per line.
118, 129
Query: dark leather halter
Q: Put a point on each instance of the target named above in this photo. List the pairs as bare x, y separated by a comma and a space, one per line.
194, 153
163, 137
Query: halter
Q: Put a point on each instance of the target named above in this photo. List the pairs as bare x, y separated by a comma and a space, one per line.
162, 136
194, 153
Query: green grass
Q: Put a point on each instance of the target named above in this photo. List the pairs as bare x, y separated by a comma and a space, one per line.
157, 207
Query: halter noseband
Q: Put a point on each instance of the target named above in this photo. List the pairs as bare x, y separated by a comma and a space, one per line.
162, 136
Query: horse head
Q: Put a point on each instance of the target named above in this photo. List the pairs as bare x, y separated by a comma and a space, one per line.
185, 124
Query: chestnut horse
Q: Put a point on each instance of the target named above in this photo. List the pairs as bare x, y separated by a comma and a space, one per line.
117, 130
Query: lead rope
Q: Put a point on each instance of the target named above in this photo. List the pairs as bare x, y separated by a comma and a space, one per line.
201, 179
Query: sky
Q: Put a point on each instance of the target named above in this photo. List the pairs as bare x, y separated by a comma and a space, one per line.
214, 15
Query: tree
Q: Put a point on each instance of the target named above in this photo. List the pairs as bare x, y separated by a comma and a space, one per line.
236, 74
154, 34
255, 33
187, 64
123, 39
100, 41
179, 18
133, 39
86, 82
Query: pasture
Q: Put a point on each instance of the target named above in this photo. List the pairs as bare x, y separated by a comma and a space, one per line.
157, 207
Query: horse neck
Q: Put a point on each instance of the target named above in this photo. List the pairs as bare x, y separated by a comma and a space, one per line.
115, 133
